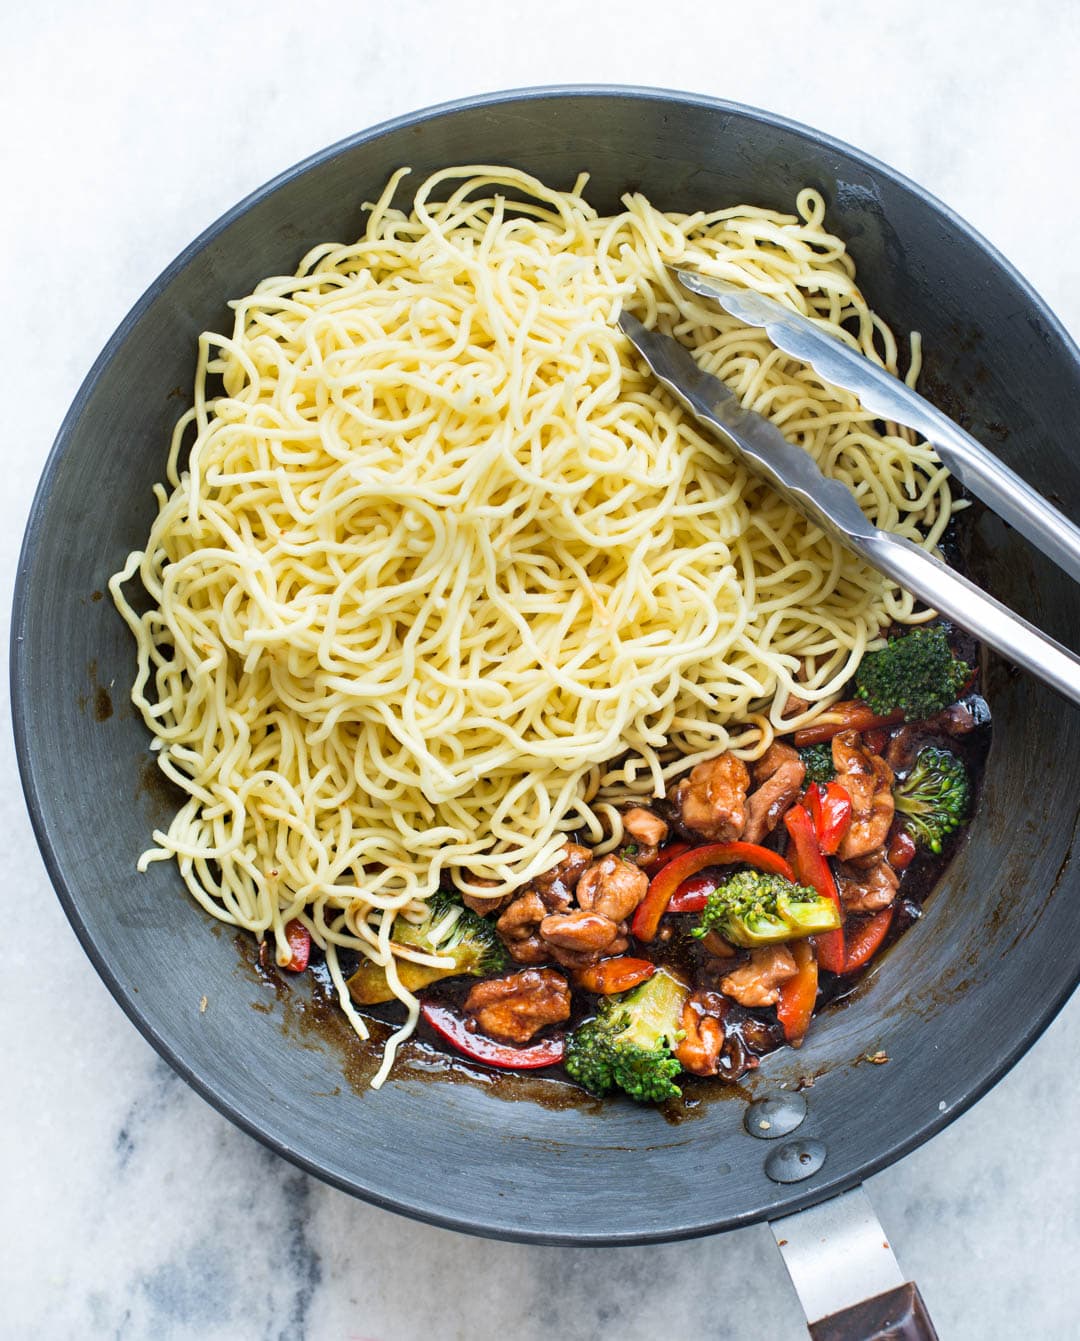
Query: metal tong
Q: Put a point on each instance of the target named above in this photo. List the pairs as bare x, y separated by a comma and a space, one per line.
831, 505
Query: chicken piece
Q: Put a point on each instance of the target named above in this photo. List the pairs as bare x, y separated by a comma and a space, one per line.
556, 887
512, 1009
866, 889
712, 800
757, 983
580, 931
612, 887
519, 927
868, 780
642, 826
703, 1033
485, 903
794, 706
779, 775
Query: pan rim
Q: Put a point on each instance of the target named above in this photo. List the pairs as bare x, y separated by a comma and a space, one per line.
22, 709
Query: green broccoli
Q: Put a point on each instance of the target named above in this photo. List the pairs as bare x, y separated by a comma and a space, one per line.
756, 908
819, 763
469, 940
916, 673
628, 1046
933, 798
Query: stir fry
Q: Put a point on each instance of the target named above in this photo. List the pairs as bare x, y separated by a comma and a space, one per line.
738, 904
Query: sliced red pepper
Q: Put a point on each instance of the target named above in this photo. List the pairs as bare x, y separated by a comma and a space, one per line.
664, 884
614, 975
864, 940
299, 939
662, 858
901, 851
450, 1025
830, 809
813, 869
798, 995
851, 715
692, 894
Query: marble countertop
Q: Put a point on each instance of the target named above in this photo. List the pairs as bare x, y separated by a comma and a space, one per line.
134, 1210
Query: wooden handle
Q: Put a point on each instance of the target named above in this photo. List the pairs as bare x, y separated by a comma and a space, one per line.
896, 1315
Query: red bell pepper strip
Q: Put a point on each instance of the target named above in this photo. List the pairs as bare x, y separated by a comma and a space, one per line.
450, 1025
662, 858
691, 895
664, 884
830, 809
813, 870
864, 940
901, 849
851, 715
614, 975
299, 939
798, 995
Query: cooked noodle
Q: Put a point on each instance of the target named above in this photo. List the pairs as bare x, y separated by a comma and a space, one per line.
446, 574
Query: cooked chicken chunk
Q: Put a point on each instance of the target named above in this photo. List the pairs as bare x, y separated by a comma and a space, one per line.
779, 775
703, 1033
866, 889
519, 927
757, 983
512, 1008
712, 800
642, 826
556, 887
868, 780
612, 887
485, 903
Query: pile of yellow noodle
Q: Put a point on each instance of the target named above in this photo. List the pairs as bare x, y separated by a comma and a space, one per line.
446, 574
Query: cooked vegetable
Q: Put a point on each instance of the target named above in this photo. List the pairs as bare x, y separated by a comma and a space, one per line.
916, 674
863, 939
798, 995
664, 884
469, 942
454, 1028
756, 908
850, 715
614, 975
691, 895
933, 798
901, 850
299, 939
629, 1044
830, 809
813, 869
817, 760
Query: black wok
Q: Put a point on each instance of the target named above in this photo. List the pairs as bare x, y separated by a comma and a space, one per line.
954, 1004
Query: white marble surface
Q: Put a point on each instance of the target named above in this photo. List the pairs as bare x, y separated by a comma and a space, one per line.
131, 1209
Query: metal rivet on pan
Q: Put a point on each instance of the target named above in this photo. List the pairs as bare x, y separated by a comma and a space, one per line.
774, 1116
795, 1160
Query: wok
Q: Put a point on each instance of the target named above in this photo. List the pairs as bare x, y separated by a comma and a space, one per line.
954, 1004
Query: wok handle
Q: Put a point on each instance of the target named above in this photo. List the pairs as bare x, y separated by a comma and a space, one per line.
896, 1315
846, 1275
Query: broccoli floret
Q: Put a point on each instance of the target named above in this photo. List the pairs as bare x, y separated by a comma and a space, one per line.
819, 763
469, 940
756, 908
916, 673
629, 1044
933, 798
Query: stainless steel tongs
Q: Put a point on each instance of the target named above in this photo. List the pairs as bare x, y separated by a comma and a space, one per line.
832, 506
